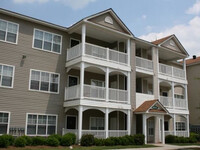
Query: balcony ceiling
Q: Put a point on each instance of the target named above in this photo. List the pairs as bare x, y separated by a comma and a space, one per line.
169, 55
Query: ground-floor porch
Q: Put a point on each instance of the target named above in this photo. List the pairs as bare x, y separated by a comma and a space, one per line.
100, 122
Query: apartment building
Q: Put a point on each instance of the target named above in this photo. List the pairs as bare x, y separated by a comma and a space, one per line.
193, 92
94, 77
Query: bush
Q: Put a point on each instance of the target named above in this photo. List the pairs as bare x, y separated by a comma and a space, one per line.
20, 142
57, 136
123, 140
196, 136
87, 140
68, 139
99, 142
38, 141
110, 141
10, 139
52, 141
138, 139
4, 143
170, 139
28, 140
130, 139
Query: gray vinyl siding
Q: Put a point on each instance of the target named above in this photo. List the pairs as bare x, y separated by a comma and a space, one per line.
20, 100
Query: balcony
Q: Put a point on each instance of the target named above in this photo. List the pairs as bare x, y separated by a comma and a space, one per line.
143, 63
96, 93
171, 71
168, 102
98, 52
178, 133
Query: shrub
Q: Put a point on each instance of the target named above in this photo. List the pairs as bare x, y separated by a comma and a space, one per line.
123, 140
28, 140
3, 142
170, 139
38, 141
52, 141
87, 140
68, 139
99, 142
9, 138
196, 136
138, 139
57, 136
20, 142
109, 141
130, 139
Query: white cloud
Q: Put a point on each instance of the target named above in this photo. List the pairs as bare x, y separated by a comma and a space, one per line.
188, 34
195, 9
144, 16
74, 4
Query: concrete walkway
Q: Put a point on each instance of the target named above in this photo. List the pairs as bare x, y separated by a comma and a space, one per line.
165, 147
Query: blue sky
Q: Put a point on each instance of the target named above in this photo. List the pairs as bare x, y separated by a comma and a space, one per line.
147, 19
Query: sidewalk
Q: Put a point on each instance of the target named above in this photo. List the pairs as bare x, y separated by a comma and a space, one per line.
166, 147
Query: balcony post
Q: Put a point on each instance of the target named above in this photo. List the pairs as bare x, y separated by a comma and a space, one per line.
184, 68
186, 96
82, 70
188, 127
106, 122
128, 51
83, 38
174, 121
107, 53
107, 84
80, 119
129, 121
144, 122
155, 59
129, 88
173, 99
163, 129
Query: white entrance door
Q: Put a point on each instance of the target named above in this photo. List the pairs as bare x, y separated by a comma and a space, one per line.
150, 130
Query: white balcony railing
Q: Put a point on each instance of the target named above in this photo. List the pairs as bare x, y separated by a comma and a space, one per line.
94, 92
171, 71
97, 133
180, 103
166, 101
117, 95
117, 133
182, 133
144, 63
98, 52
72, 92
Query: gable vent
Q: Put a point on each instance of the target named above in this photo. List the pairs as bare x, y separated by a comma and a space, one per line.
109, 20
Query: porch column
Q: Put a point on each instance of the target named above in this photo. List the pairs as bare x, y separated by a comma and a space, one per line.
186, 96
174, 121
144, 123
155, 59
129, 121
80, 119
83, 38
184, 68
107, 84
128, 51
129, 88
163, 130
82, 79
106, 122
173, 99
188, 126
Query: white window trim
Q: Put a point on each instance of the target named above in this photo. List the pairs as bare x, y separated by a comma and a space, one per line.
73, 77
8, 128
74, 40
96, 118
12, 77
7, 31
44, 50
40, 81
26, 124
76, 121
98, 81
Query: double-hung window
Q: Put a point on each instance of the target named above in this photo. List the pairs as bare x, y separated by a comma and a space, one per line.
4, 122
47, 41
8, 31
6, 75
41, 124
44, 81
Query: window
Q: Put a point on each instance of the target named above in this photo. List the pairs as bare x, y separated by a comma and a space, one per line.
97, 83
74, 42
6, 75
8, 31
178, 96
96, 123
41, 124
44, 81
166, 123
73, 80
47, 41
4, 122
180, 126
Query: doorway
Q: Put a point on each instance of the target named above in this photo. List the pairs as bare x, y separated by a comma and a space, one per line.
71, 122
150, 130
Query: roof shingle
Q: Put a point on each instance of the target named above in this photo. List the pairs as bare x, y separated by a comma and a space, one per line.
157, 42
145, 106
192, 61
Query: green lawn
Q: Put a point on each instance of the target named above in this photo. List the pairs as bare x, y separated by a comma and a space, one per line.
76, 147
186, 144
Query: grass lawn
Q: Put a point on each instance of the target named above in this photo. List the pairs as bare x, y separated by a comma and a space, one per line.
186, 144
76, 147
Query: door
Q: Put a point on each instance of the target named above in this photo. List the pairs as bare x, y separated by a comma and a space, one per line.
73, 80
150, 130
71, 122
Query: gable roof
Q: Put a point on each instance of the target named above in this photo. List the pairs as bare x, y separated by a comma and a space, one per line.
193, 61
146, 107
159, 41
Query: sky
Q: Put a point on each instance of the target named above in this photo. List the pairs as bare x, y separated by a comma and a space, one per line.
147, 19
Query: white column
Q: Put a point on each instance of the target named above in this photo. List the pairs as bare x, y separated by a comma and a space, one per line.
173, 99
186, 96
144, 122
83, 38
106, 122
107, 84
163, 130
188, 126
128, 50
129, 87
80, 119
155, 59
129, 122
82, 79
174, 121
184, 68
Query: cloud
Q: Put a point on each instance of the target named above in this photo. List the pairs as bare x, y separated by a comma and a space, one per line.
144, 16
195, 9
188, 34
74, 4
